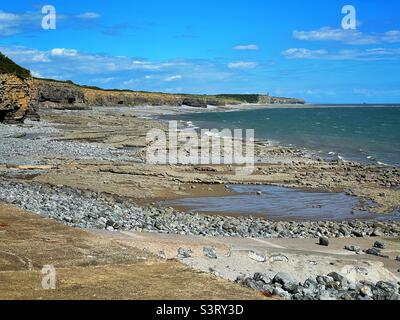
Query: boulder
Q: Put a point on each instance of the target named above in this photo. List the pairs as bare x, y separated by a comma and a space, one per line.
379, 245
324, 241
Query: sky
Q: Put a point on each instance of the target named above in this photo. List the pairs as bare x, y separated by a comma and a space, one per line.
278, 47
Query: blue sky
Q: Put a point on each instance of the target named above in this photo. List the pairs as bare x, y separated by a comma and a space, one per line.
282, 47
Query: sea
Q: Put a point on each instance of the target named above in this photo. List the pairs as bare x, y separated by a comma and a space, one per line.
362, 133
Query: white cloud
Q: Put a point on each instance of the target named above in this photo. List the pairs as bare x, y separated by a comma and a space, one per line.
200, 75
242, 65
40, 57
57, 52
353, 37
173, 90
131, 83
14, 23
247, 47
173, 78
302, 53
351, 54
89, 15
103, 80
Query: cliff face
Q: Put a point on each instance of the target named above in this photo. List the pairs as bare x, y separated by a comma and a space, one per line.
20, 98
63, 95
95, 97
279, 100
58, 95
17, 99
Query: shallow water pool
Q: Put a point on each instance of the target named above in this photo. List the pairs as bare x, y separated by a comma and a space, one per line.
281, 204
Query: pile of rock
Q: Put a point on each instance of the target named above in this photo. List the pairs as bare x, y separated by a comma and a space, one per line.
23, 143
86, 209
323, 287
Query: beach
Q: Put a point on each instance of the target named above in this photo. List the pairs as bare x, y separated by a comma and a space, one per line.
87, 170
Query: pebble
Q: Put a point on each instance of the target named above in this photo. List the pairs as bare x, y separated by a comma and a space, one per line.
184, 253
91, 210
210, 253
333, 286
257, 256
162, 255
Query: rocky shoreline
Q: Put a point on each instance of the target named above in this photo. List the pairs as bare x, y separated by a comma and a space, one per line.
87, 209
323, 287
86, 169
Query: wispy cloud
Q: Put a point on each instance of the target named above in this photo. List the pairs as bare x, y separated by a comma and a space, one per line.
62, 52
81, 62
89, 15
302, 53
12, 23
242, 65
353, 37
247, 47
122, 71
350, 54
173, 78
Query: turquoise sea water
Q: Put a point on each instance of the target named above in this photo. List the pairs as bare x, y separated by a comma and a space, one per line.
369, 134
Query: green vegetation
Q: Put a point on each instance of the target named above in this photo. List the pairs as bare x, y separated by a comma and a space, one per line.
9, 66
55, 80
246, 98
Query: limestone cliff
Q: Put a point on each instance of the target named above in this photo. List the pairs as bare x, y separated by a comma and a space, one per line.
21, 95
65, 95
97, 97
17, 98
279, 100
58, 94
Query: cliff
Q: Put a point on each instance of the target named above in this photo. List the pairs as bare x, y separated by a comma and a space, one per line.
21, 95
279, 100
58, 95
260, 99
65, 95
17, 99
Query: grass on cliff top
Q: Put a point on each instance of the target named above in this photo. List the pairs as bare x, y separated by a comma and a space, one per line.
9, 66
245, 98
